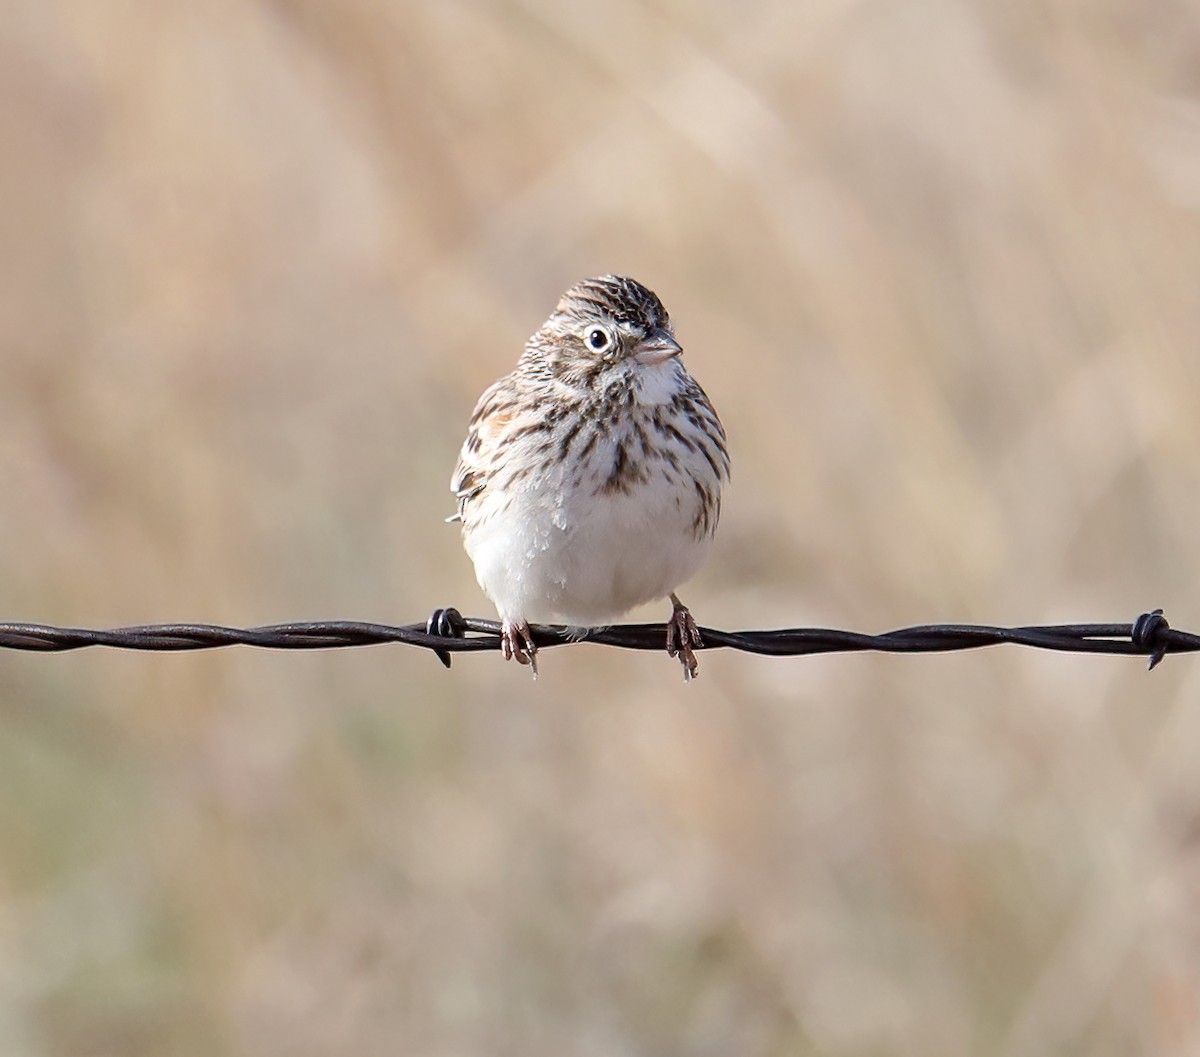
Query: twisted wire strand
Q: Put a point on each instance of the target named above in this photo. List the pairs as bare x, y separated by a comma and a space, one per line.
447, 632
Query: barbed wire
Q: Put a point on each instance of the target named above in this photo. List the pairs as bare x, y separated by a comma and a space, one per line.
448, 631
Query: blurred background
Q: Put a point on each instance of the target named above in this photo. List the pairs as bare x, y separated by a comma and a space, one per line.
936, 264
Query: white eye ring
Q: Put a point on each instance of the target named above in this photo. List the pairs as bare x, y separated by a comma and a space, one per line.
598, 339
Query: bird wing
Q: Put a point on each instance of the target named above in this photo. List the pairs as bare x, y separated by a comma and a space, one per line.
477, 461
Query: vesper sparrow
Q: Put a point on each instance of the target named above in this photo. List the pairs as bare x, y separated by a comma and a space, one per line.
590, 479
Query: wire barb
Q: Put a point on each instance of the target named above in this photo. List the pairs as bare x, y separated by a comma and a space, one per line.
448, 623
447, 631
1150, 632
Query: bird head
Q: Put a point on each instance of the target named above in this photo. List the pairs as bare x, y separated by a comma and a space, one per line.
605, 323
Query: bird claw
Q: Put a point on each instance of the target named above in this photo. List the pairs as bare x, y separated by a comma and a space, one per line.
517, 643
682, 636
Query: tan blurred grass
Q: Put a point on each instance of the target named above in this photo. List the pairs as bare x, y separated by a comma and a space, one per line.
936, 264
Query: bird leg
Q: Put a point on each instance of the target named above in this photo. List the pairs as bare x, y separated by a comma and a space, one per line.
682, 635
516, 641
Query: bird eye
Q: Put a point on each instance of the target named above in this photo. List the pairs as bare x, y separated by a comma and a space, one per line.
598, 339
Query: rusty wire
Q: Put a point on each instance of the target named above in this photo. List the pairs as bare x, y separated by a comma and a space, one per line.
447, 632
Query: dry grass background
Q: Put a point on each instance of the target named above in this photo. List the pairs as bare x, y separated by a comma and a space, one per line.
937, 265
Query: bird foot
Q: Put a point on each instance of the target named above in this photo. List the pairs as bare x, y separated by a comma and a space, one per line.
682, 636
517, 642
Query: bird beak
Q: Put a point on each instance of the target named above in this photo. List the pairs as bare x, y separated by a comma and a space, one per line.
657, 347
